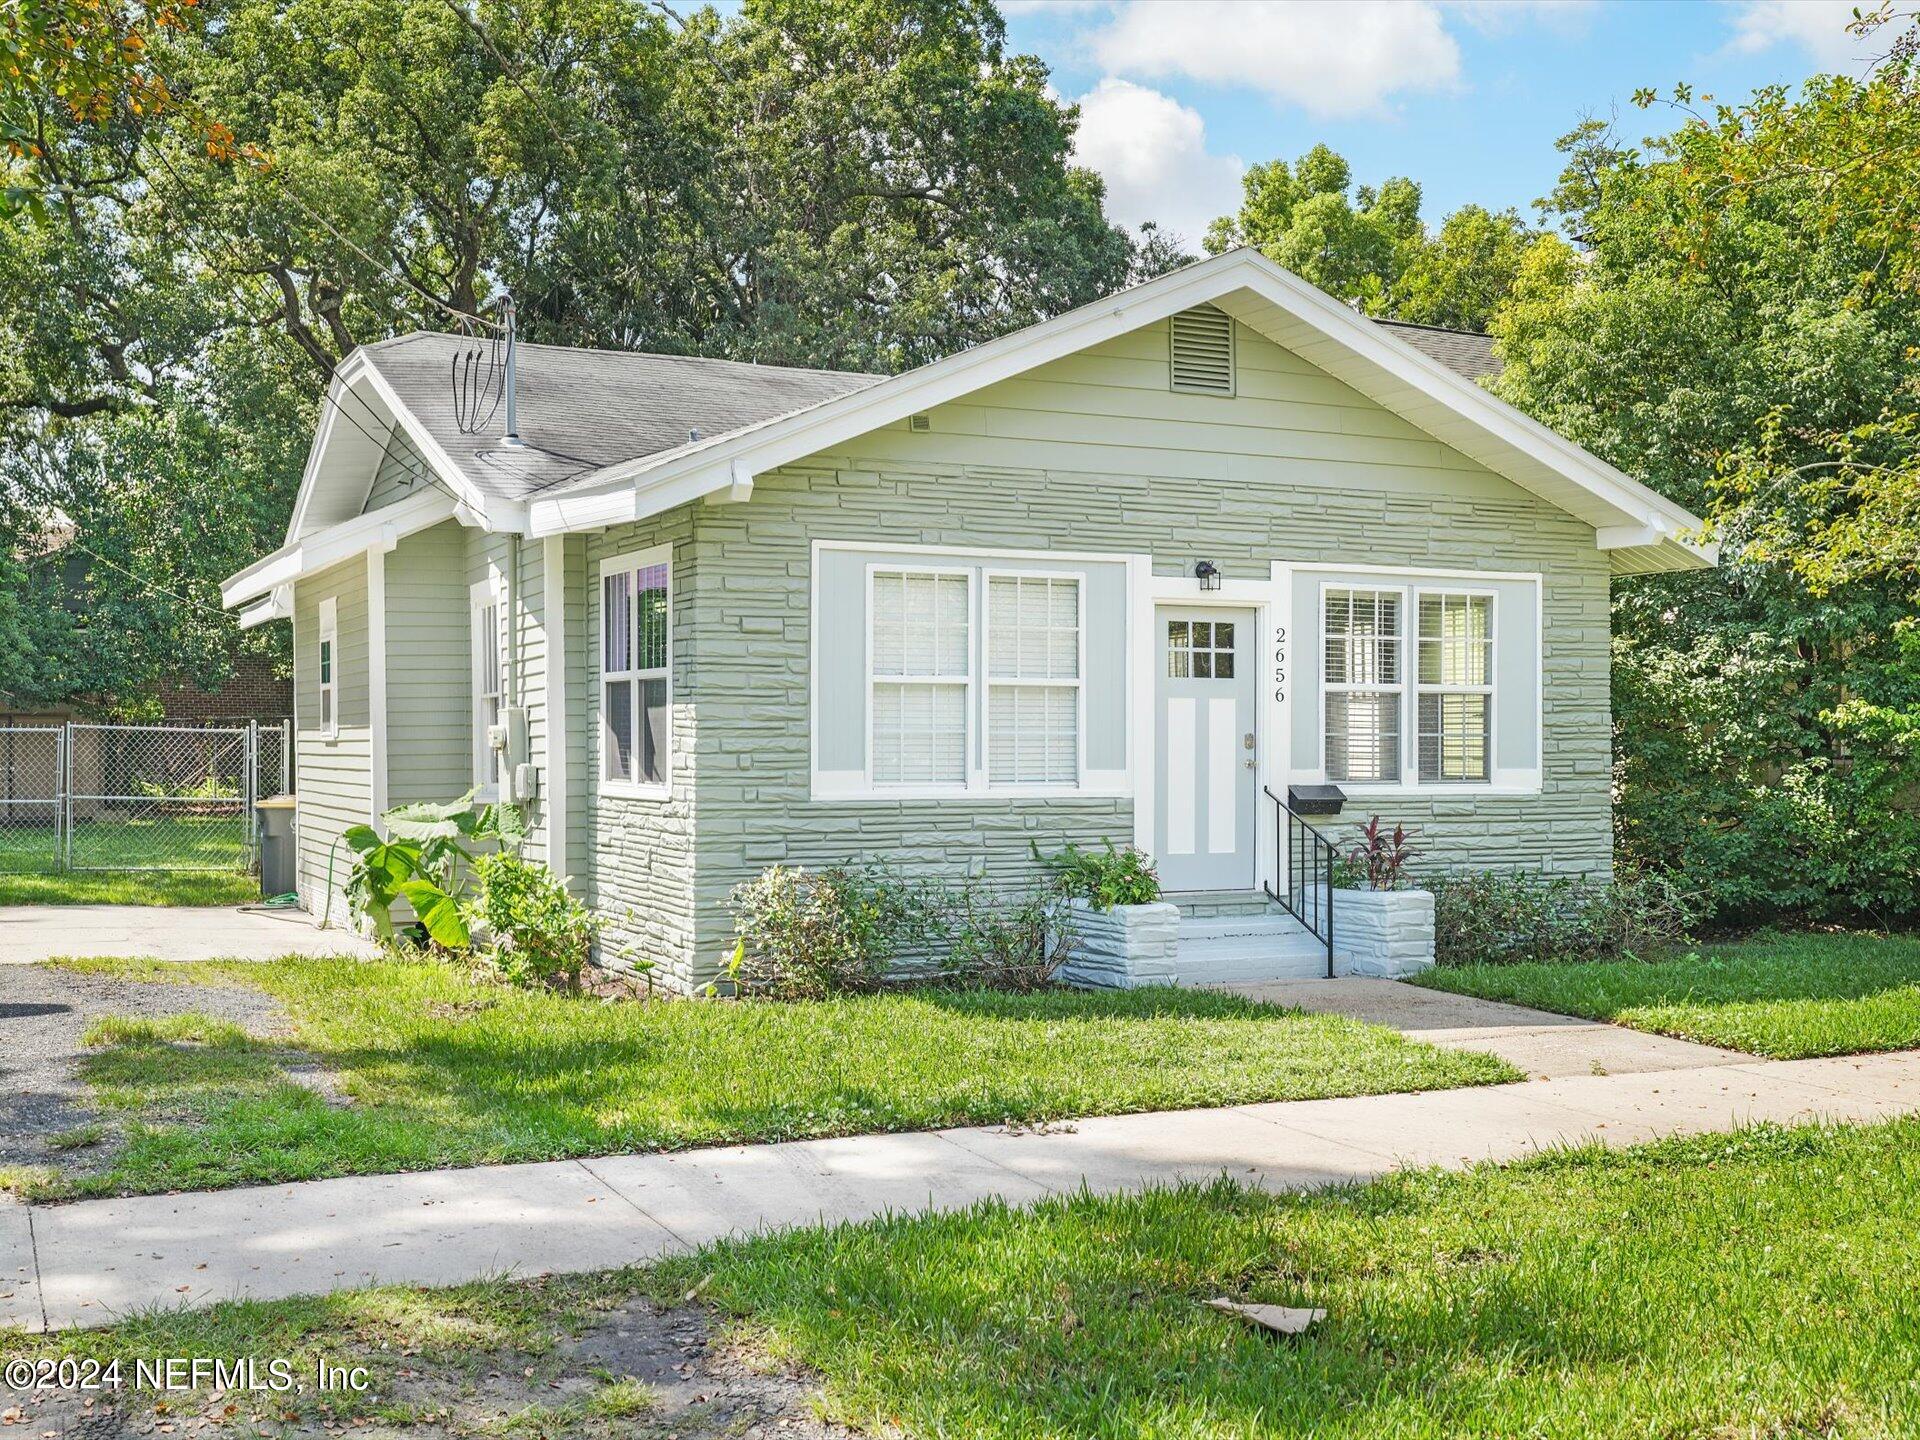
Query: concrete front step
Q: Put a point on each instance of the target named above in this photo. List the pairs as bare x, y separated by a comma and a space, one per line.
1232, 949
1222, 964
1275, 925
1212, 904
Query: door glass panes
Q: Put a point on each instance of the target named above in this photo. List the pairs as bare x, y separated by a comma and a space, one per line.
1200, 649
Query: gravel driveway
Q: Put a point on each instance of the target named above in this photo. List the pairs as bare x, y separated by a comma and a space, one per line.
43, 1014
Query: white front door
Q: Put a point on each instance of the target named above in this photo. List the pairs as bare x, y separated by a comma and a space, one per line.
1206, 770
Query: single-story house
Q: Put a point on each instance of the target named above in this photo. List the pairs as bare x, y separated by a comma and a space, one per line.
1129, 574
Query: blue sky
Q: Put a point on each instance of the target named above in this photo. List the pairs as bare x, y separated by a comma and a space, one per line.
1464, 96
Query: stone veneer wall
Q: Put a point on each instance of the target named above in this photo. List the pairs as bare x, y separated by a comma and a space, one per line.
746, 600
1090, 454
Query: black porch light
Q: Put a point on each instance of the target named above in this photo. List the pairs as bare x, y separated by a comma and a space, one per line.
1207, 573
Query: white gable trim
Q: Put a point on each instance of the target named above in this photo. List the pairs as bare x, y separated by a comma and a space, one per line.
361, 411
1258, 293
384, 528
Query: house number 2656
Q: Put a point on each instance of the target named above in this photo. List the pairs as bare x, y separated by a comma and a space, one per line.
1279, 662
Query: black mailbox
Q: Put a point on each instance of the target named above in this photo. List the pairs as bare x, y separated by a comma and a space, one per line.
1315, 799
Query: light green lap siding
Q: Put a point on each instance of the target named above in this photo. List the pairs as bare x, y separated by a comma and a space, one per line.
751, 751
331, 775
402, 473
1092, 454
429, 669
581, 646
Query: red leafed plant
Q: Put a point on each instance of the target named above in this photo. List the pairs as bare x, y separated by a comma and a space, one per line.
1380, 860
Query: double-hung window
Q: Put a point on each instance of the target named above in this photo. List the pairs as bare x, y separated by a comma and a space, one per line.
1365, 685
489, 695
1372, 736
920, 679
1454, 684
329, 668
636, 658
1033, 679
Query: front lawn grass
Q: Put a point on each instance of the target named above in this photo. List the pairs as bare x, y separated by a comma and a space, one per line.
1786, 996
1755, 1284
403, 1066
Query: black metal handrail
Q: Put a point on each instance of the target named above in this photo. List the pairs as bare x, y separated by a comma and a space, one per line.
1307, 867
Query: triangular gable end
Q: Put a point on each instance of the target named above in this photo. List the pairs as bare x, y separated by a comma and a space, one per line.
1643, 530
330, 522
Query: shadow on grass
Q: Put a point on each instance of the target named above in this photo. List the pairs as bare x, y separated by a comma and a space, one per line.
1148, 1003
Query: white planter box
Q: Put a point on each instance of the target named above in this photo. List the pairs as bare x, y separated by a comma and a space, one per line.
1387, 934
1123, 947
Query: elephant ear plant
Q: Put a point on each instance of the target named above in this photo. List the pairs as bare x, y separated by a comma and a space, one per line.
419, 861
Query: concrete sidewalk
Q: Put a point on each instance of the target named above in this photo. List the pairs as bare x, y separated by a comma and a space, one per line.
31, 933
89, 1263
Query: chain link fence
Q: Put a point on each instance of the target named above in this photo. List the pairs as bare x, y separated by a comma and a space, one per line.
33, 761
136, 797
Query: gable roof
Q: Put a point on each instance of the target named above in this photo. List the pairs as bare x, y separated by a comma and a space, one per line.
612, 436
1643, 530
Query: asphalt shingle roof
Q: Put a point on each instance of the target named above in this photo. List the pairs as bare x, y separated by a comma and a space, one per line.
582, 410
1461, 351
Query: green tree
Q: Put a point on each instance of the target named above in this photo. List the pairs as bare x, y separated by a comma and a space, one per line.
870, 184
1739, 329
1370, 247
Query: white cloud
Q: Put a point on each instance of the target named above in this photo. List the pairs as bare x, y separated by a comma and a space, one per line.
1329, 58
1817, 27
1152, 152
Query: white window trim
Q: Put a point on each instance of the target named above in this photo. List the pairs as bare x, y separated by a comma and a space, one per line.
631, 789
975, 619
328, 689
853, 787
1412, 716
1504, 783
480, 595
988, 574
1398, 689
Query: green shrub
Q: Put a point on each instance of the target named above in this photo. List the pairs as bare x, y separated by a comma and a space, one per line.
1103, 879
1503, 917
801, 934
993, 945
539, 935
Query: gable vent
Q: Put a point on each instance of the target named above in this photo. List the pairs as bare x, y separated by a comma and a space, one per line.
1202, 350
919, 424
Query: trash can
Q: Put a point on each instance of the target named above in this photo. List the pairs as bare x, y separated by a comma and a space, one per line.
277, 849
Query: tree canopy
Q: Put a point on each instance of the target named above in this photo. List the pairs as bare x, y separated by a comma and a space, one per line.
1368, 244
1739, 328
214, 202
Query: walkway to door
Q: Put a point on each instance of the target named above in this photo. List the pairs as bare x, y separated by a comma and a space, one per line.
1536, 1041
